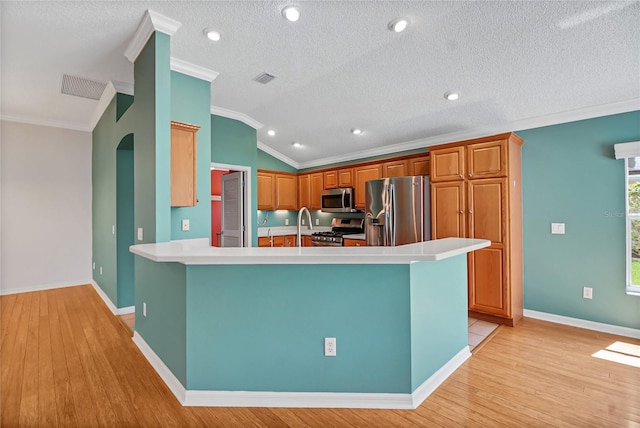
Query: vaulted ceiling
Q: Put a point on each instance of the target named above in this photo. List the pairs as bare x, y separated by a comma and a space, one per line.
516, 65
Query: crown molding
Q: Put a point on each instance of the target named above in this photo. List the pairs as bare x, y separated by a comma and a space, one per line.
276, 154
193, 70
107, 95
151, 21
626, 106
230, 114
123, 87
53, 124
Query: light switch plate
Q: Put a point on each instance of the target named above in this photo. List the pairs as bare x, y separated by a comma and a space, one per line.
557, 228
139, 234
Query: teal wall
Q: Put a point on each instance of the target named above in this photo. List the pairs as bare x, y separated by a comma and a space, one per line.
162, 286
264, 328
438, 315
123, 102
569, 175
125, 232
191, 103
266, 161
235, 143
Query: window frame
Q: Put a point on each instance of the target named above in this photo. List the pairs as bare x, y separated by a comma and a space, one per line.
631, 289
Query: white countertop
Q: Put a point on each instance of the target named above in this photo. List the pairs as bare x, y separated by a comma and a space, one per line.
198, 252
290, 230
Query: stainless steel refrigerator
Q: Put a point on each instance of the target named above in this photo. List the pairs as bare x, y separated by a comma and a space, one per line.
397, 211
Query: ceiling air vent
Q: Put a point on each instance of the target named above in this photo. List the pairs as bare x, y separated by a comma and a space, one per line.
81, 87
264, 78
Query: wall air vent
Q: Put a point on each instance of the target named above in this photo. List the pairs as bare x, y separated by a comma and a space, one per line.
264, 78
81, 87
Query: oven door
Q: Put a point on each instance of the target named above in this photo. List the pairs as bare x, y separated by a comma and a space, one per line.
325, 244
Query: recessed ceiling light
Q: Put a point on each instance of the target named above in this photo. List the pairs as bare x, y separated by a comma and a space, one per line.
356, 131
452, 95
271, 132
398, 25
212, 34
296, 144
291, 13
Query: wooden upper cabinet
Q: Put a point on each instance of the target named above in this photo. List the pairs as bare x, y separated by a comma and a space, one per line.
448, 212
183, 164
286, 192
345, 177
419, 166
397, 168
330, 179
266, 189
362, 175
316, 187
487, 160
447, 164
304, 191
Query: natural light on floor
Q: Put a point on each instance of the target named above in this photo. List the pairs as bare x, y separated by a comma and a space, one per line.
621, 352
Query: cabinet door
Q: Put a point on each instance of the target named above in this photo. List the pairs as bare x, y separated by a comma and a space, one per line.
398, 168
330, 179
304, 191
488, 291
448, 210
447, 164
266, 188
286, 192
278, 241
316, 191
264, 241
362, 175
419, 166
290, 240
487, 160
345, 177
183, 165
487, 205
306, 241
354, 242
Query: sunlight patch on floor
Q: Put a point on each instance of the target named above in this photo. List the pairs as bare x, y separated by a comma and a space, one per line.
622, 353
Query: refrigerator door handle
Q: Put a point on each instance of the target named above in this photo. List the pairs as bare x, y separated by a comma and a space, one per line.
392, 213
387, 224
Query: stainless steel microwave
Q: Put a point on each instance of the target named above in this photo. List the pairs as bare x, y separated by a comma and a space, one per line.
338, 200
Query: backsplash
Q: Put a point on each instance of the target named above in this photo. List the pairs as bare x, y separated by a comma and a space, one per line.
280, 217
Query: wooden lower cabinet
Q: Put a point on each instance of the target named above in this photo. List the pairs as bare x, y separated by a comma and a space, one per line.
280, 241
488, 291
348, 242
306, 241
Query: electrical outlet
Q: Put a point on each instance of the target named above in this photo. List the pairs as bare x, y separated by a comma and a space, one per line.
113, 229
587, 293
94, 265
139, 234
144, 309
329, 346
100, 270
317, 222
286, 222
557, 228
185, 225
302, 221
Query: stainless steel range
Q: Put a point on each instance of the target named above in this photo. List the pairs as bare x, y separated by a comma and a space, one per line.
339, 228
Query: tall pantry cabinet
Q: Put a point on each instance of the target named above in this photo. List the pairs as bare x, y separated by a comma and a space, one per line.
476, 193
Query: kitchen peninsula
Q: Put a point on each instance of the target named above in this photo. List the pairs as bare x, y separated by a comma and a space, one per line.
246, 326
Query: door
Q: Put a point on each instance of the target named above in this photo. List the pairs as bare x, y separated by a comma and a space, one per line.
232, 210
364, 174
266, 190
487, 160
447, 164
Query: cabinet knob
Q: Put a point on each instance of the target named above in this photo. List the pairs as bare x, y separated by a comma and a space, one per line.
470, 175
461, 212
470, 212
460, 175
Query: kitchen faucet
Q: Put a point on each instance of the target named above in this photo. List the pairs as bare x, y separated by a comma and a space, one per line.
310, 226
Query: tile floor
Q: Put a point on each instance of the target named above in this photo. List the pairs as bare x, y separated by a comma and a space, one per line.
478, 331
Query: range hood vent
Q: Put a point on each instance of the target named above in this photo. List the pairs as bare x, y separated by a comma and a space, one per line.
81, 87
264, 78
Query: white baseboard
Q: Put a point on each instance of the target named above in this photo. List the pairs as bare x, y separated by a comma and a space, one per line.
299, 399
160, 367
589, 325
113, 308
42, 287
423, 391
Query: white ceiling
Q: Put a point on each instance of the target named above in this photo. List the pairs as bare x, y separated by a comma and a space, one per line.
516, 64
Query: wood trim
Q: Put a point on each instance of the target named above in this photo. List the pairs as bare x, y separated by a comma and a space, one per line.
511, 136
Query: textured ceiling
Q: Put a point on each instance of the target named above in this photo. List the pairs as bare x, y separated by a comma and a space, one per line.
338, 67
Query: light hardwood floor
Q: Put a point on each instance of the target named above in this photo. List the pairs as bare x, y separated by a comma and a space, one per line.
65, 360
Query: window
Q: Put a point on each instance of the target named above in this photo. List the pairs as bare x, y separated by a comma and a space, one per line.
633, 224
